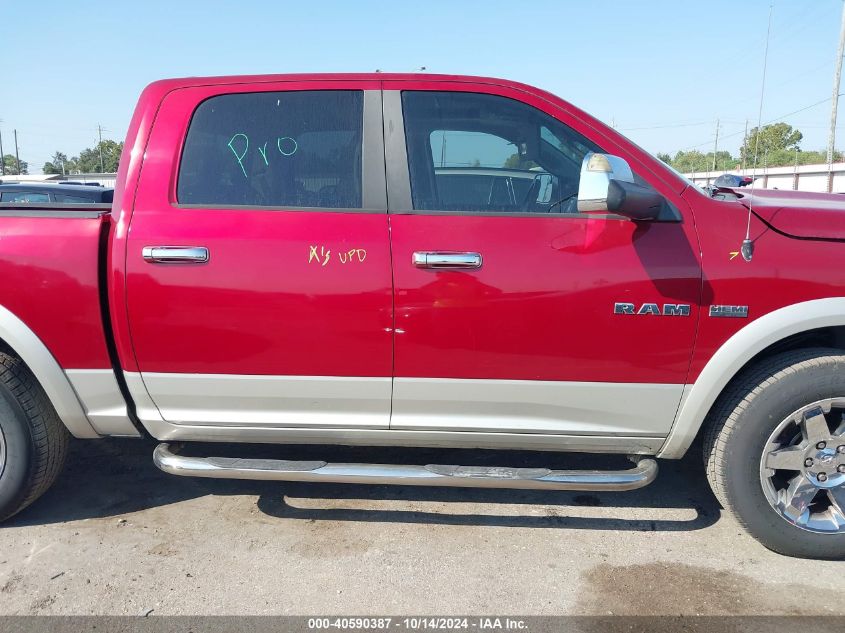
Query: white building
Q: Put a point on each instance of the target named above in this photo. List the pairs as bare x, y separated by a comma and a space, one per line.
106, 180
802, 178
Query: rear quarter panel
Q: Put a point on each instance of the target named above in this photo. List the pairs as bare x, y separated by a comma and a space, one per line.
49, 280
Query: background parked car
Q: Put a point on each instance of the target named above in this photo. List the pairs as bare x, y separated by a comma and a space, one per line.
732, 180
55, 193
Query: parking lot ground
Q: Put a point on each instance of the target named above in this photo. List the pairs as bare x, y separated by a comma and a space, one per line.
116, 536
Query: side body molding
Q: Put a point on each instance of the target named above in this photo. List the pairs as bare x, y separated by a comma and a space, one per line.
736, 352
48, 372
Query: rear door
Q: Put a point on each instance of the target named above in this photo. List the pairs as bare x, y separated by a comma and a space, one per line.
505, 297
257, 264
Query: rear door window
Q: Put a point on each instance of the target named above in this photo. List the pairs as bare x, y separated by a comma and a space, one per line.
278, 149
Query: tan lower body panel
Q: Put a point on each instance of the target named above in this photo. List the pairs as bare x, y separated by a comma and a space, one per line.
444, 413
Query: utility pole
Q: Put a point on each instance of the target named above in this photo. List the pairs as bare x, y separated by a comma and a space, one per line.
17, 156
716, 145
100, 147
744, 149
837, 76
2, 155
766, 168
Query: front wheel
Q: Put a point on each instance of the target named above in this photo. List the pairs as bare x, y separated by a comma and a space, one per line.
775, 452
33, 440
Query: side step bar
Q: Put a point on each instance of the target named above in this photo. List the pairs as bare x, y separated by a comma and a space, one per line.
167, 458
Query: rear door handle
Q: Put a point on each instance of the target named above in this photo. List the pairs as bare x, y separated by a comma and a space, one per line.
175, 254
446, 260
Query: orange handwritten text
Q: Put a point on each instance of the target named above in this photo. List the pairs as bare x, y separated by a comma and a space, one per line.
321, 255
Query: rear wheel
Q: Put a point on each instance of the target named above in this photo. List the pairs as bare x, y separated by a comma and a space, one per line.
33, 440
775, 452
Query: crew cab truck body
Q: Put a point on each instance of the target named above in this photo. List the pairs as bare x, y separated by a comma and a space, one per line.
294, 259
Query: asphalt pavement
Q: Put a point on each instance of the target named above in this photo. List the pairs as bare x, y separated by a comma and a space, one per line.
117, 536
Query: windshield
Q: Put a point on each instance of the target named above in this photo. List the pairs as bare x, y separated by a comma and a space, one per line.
684, 178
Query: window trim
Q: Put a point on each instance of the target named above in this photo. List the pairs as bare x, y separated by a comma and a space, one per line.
279, 208
399, 199
373, 178
513, 214
396, 155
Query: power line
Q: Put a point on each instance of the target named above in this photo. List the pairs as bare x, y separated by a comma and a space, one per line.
808, 19
661, 127
791, 80
774, 120
707, 142
817, 103
776, 34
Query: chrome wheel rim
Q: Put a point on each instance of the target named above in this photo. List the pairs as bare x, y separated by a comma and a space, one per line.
802, 468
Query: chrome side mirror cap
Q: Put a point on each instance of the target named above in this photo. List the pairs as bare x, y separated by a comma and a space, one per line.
607, 184
597, 170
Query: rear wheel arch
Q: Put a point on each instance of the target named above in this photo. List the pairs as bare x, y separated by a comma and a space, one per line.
33, 440
18, 340
809, 324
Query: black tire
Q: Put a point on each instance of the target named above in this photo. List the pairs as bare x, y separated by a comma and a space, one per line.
739, 427
34, 440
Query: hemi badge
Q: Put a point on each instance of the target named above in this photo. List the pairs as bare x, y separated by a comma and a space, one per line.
739, 312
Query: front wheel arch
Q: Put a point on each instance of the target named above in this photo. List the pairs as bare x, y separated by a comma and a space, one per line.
738, 452
790, 327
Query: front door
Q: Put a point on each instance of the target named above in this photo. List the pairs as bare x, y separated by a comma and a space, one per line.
258, 268
505, 294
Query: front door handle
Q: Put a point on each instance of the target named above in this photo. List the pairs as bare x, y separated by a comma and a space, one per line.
175, 254
446, 260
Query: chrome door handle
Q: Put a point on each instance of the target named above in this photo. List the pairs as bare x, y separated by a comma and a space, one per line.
446, 261
175, 254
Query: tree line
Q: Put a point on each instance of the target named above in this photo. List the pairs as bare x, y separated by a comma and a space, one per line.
775, 145
103, 157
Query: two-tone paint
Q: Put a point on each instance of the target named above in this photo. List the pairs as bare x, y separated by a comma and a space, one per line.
525, 351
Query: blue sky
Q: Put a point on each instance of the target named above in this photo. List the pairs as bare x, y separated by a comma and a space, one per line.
663, 71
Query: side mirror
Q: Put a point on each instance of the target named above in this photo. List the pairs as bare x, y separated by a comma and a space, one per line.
633, 201
607, 184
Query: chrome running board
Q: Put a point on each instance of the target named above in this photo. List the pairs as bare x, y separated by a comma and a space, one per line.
167, 458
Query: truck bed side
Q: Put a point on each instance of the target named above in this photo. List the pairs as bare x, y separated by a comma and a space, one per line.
50, 299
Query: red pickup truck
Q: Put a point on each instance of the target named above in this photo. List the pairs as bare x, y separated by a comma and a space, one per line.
422, 260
